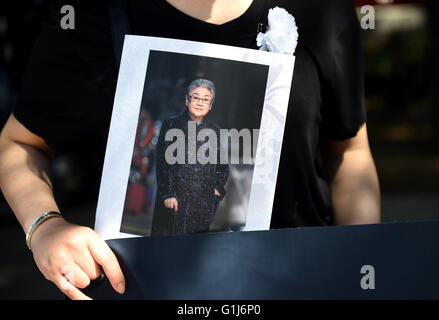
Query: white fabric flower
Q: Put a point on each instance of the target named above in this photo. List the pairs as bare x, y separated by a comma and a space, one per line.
281, 35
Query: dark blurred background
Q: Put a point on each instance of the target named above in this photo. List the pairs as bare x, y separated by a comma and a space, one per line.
402, 95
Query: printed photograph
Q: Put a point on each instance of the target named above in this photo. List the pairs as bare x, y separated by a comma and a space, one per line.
193, 155
195, 139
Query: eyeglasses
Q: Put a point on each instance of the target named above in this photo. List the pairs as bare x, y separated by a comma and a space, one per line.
196, 99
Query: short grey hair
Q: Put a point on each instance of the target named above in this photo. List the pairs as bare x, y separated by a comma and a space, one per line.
203, 83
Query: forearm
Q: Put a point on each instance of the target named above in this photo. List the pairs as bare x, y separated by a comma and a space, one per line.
355, 190
25, 182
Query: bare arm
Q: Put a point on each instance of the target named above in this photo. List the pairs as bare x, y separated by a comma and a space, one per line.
25, 173
354, 182
61, 250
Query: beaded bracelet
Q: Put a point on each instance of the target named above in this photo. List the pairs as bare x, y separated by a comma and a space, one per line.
45, 216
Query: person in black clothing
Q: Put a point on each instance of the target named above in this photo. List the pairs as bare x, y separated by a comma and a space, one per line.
327, 175
188, 193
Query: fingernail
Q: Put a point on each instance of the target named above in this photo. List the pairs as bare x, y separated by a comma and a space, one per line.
121, 288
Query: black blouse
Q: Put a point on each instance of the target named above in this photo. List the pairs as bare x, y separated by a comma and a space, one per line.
68, 90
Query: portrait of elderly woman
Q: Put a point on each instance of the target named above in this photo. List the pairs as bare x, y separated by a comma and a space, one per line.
188, 194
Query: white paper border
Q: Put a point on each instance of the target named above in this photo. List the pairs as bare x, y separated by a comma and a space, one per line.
125, 115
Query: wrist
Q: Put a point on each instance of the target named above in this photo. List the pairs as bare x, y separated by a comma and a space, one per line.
39, 223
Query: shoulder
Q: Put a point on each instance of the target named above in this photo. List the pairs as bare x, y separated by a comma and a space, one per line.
91, 36
63, 63
319, 22
317, 12
174, 121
